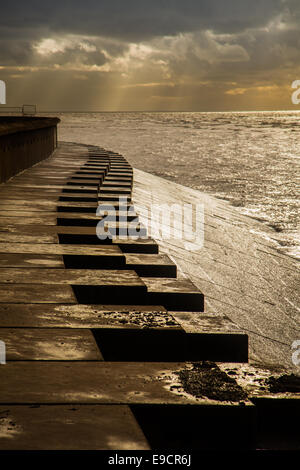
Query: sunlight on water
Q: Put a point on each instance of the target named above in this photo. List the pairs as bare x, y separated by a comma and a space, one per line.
249, 159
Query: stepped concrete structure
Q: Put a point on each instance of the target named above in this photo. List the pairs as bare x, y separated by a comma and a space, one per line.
136, 341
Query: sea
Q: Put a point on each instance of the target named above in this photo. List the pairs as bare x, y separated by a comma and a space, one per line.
251, 159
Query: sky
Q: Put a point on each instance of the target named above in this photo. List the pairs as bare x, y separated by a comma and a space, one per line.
150, 55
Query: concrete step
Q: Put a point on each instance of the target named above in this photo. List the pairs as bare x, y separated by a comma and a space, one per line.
82, 182
99, 382
115, 183
174, 294
114, 190
36, 294
75, 277
36, 232
31, 203
90, 205
31, 195
37, 189
24, 217
50, 344
51, 185
41, 180
89, 286
98, 178
96, 166
71, 427
88, 172
166, 344
126, 230
121, 169
99, 161
78, 188
136, 332
108, 197
83, 316
167, 414
119, 161
116, 180
126, 179
18, 206
117, 211
22, 260
275, 393
151, 265
57, 255
73, 206
118, 219
112, 219
138, 245
79, 197
99, 158
26, 213
115, 167
8, 236
221, 339
122, 203
117, 173
94, 178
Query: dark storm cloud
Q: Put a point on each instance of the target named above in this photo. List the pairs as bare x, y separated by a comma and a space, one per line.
133, 49
23, 24
14, 52
136, 19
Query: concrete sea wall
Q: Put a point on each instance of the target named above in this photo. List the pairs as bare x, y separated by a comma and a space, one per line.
25, 142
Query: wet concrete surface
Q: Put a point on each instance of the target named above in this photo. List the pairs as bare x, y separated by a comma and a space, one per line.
37, 344
242, 274
69, 427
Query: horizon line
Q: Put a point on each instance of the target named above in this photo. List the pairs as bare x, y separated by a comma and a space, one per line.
169, 111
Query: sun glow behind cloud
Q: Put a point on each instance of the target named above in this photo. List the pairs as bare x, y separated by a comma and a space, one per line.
233, 57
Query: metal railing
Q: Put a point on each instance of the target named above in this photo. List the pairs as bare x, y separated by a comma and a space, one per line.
25, 110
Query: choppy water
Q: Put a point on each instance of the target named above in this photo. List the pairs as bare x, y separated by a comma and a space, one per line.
250, 159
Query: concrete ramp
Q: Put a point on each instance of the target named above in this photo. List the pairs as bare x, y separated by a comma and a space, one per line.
237, 267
